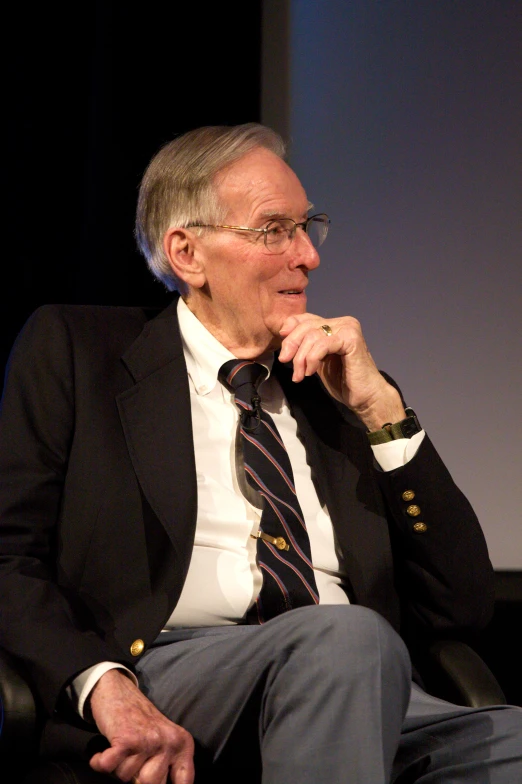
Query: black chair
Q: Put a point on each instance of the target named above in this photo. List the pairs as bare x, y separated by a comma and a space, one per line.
450, 669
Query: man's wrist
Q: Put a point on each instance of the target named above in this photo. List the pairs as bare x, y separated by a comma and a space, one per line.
384, 405
81, 688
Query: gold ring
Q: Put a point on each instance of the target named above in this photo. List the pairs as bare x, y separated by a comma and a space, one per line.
327, 330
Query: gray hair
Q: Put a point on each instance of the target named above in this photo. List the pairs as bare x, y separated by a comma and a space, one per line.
178, 187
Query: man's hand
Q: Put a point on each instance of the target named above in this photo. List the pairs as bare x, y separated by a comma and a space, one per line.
145, 745
344, 365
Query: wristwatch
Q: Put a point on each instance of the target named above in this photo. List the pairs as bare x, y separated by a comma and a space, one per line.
406, 428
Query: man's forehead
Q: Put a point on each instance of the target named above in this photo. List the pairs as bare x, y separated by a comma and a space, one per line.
263, 182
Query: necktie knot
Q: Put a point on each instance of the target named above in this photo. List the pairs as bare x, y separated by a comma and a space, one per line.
242, 377
238, 373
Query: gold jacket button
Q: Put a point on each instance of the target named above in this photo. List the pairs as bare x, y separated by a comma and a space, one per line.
420, 528
408, 495
413, 510
137, 647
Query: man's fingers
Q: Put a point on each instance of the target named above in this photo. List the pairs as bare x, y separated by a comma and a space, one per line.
150, 771
294, 339
158, 769
183, 772
309, 327
132, 768
122, 764
107, 761
312, 350
293, 330
308, 345
172, 761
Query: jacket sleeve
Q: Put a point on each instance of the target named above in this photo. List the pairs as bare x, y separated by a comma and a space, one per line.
444, 575
42, 620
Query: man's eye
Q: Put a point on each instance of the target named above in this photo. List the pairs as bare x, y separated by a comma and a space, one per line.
275, 229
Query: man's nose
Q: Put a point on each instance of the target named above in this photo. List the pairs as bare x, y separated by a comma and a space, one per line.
304, 253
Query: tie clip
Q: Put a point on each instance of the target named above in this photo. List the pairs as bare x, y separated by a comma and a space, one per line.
278, 541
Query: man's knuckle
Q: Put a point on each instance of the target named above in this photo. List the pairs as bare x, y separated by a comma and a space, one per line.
181, 738
154, 739
189, 743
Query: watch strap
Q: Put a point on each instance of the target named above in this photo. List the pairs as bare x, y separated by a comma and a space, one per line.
406, 428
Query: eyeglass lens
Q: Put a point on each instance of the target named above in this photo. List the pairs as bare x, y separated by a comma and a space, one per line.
280, 233
317, 229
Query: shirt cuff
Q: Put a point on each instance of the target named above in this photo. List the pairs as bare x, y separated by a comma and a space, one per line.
395, 454
84, 683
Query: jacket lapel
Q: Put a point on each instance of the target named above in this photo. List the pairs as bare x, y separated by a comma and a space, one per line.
156, 420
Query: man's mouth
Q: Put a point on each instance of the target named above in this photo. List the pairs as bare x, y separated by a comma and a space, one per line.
291, 292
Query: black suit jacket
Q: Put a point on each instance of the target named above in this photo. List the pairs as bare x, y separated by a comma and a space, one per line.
98, 498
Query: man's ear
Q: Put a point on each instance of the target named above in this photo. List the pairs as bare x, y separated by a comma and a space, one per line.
182, 249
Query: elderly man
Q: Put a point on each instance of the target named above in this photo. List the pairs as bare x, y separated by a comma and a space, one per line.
217, 521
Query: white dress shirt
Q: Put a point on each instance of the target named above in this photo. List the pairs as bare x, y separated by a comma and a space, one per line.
223, 580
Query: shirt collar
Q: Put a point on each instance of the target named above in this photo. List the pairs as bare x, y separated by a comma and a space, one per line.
204, 354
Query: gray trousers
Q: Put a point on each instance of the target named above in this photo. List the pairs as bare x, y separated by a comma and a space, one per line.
323, 694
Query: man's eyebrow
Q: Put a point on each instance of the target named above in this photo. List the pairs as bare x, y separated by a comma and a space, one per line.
274, 214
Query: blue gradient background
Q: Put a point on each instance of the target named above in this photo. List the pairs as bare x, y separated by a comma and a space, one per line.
405, 121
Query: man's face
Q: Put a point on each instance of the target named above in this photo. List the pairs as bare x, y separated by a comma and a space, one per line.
249, 291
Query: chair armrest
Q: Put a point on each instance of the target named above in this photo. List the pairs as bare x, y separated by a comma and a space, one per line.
17, 710
455, 672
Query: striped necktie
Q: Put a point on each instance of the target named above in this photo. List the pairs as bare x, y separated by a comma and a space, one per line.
283, 546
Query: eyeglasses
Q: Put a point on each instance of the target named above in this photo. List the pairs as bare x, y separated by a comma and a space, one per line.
278, 234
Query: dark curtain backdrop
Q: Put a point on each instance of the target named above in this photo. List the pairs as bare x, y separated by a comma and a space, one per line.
92, 91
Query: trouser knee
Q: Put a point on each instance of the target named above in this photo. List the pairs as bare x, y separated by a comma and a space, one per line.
333, 638
336, 662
